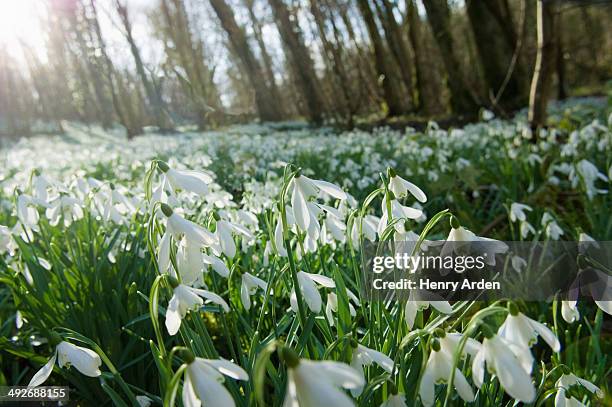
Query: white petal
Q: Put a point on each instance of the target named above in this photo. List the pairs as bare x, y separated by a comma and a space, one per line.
173, 316
330, 189
300, 209
207, 388
227, 368
44, 373
212, 297
244, 295
546, 334
190, 399
426, 389
322, 280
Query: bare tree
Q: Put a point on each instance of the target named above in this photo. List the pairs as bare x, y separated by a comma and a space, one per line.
545, 64
162, 119
496, 42
301, 61
438, 15
396, 102
266, 105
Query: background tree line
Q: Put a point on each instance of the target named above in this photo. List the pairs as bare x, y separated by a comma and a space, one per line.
341, 61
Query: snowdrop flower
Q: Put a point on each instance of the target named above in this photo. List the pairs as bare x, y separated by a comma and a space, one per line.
84, 360
6, 239
569, 311
363, 356
193, 233
217, 265
224, 236
460, 237
517, 212
192, 181
27, 213
415, 304
249, 286
400, 187
314, 384
526, 229
144, 401
369, 228
332, 305
565, 382
440, 364
305, 188
203, 382
511, 363
398, 211
64, 207
184, 299
589, 174
190, 261
308, 286
524, 331
552, 229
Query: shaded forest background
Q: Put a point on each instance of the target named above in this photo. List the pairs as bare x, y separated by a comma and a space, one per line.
347, 62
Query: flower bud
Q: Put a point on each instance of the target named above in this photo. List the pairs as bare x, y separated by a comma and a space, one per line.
454, 222
186, 355
439, 333
166, 210
486, 331
391, 172
163, 166
289, 356
512, 308
172, 281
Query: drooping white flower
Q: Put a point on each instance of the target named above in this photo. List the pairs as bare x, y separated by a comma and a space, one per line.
439, 368
568, 380
363, 356
184, 299
203, 382
27, 212
308, 287
511, 363
569, 311
217, 265
192, 181
398, 211
332, 305
224, 232
315, 384
589, 174
249, 286
552, 228
460, 238
84, 360
416, 303
517, 212
64, 207
305, 188
400, 188
524, 331
195, 234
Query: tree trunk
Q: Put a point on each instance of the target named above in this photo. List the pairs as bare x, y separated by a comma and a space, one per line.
266, 105
162, 119
132, 126
398, 47
544, 66
560, 61
438, 15
300, 59
496, 42
333, 60
265, 56
425, 96
393, 95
